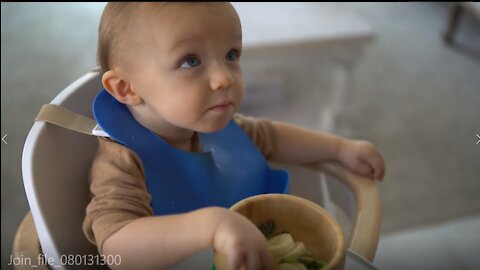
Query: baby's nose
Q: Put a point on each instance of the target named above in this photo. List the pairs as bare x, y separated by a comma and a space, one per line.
220, 77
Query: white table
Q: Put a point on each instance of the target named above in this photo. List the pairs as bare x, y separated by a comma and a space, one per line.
285, 42
279, 24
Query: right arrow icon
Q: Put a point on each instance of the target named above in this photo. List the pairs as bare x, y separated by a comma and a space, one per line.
479, 138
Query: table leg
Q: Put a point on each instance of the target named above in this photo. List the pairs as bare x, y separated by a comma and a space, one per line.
455, 15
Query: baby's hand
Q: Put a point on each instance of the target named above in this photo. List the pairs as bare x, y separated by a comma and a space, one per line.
243, 243
362, 157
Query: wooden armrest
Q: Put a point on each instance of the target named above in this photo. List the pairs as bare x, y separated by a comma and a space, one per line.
368, 217
26, 245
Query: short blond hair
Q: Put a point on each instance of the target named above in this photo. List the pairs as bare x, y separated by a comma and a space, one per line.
116, 19
114, 28
111, 33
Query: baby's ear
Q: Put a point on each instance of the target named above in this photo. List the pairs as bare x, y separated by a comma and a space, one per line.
120, 88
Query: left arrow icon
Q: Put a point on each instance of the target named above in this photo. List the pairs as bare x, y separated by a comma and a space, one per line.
3, 139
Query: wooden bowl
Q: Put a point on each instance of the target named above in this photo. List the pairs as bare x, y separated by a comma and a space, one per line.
304, 220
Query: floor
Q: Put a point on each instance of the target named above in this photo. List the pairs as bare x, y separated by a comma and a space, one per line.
448, 245
415, 97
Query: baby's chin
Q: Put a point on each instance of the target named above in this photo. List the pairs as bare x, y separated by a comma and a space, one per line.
213, 126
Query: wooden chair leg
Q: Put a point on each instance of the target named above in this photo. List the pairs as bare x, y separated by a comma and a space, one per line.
26, 246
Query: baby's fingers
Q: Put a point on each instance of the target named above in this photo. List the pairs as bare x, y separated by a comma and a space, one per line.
237, 260
267, 261
364, 169
375, 162
250, 261
378, 165
253, 262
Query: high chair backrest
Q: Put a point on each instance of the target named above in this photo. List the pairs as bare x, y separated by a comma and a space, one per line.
55, 166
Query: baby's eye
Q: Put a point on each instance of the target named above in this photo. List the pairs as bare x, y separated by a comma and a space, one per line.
232, 55
190, 62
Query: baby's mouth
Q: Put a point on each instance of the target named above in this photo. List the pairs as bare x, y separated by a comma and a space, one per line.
223, 106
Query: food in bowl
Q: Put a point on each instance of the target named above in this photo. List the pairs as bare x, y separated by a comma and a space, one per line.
287, 253
306, 221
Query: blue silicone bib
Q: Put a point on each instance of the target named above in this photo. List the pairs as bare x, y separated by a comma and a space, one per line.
228, 169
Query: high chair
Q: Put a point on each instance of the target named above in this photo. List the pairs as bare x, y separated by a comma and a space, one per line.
56, 163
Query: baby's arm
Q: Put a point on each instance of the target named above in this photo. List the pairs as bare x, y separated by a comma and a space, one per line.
157, 242
119, 221
302, 146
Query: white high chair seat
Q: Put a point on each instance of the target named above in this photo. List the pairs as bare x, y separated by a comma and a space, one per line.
56, 164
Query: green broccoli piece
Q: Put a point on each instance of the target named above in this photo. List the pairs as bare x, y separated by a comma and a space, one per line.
311, 263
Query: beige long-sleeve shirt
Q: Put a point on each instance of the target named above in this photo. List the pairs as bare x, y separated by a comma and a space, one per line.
118, 188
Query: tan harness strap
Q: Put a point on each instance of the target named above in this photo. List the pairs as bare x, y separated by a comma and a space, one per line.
65, 118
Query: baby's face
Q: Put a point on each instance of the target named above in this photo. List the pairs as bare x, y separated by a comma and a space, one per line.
186, 66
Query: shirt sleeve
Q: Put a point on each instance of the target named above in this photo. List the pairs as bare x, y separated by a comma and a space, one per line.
260, 131
119, 193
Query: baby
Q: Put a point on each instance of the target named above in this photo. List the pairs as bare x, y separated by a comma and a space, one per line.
172, 77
